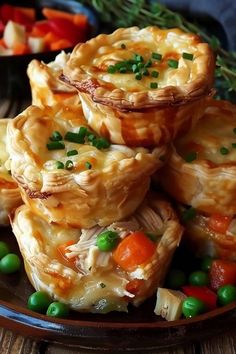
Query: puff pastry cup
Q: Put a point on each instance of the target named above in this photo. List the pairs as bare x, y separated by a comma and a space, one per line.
83, 276
81, 184
122, 104
46, 88
10, 197
201, 170
206, 238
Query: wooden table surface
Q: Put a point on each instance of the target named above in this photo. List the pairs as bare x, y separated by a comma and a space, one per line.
13, 343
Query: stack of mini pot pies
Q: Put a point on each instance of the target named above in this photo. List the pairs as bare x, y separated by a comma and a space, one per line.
91, 232
200, 175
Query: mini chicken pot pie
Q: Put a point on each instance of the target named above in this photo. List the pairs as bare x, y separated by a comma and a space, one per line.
211, 235
100, 269
10, 197
70, 176
141, 87
46, 88
201, 170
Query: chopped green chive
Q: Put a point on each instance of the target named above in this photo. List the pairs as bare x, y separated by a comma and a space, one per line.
111, 69
234, 145
102, 285
138, 57
91, 137
74, 138
224, 150
69, 165
88, 165
153, 85
123, 70
135, 68
148, 63
82, 133
138, 76
56, 145
187, 56
172, 63
145, 72
101, 143
155, 73
234, 130
191, 156
60, 165
56, 136
123, 46
188, 214
72, 153
156, 56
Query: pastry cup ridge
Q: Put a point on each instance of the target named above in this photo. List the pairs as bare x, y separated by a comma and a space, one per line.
80, 288
78, 73
111, 190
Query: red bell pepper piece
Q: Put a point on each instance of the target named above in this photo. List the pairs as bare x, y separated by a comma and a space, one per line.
66, 29
219, 223
1, 27
21, 18
202, 293
222, 273
42, 27
6, 13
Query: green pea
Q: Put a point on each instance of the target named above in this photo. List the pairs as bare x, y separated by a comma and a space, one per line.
199, 278
39, 302
176, 278
10, 263
107, 240
226, 294
206, 263
193, 307
4, 249
58, 309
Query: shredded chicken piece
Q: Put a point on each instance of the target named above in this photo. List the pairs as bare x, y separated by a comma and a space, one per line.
149, 219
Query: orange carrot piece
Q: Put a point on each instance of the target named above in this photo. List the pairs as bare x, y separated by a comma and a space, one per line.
50, 38
79, 20
134, 286
60, 44
62, 249
2, 43
133, 250
50, 14
21, 48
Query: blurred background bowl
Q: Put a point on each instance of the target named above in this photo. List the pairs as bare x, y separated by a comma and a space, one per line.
14, 82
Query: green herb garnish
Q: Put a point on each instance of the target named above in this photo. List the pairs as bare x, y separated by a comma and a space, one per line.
55, 145
156, 56
56, 136
155, 73
88, 165
153, 85
69, 165
72, 153
172, 63
187, 56
191, 156
224, 150
60, 165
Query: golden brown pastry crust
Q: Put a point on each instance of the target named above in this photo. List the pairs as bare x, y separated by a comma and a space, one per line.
87, 68
110, 190
206, 184
205, 242
148, 127
10, 197
46, 88
78, 282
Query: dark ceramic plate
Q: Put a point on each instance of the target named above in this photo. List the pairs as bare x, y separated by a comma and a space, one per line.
14, 81
139, 330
